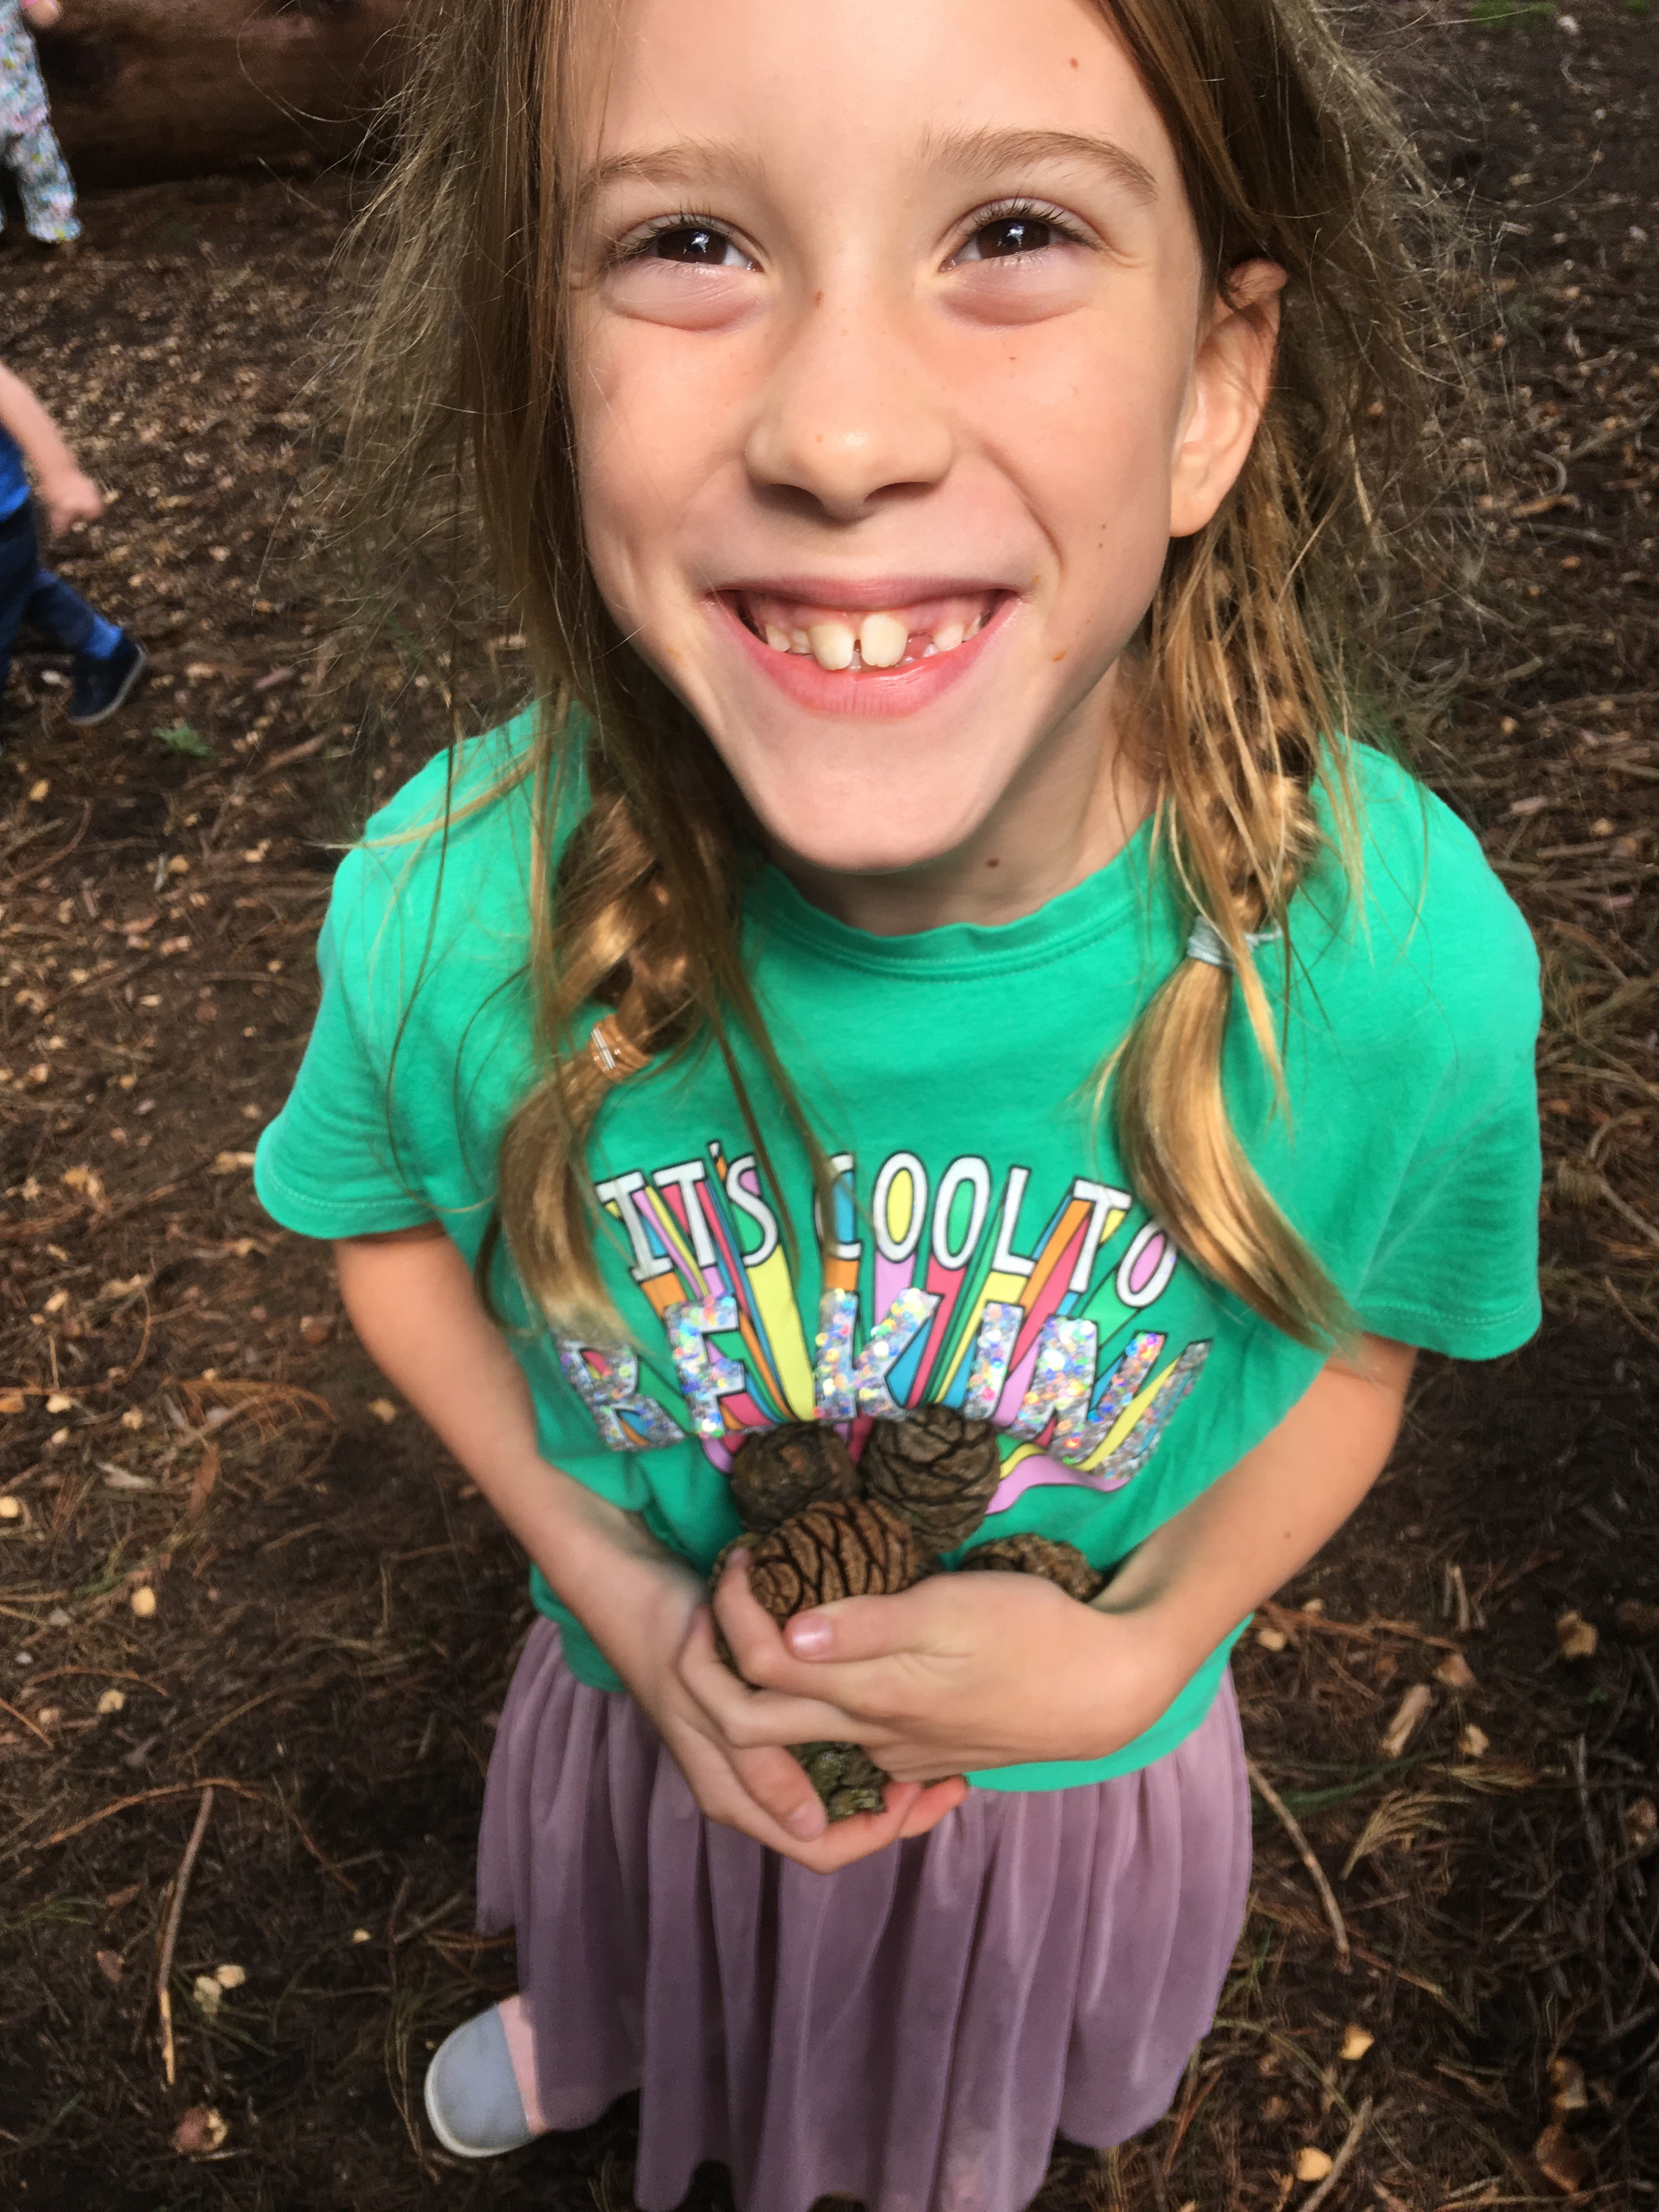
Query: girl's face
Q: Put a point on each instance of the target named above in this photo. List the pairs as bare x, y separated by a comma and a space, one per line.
895, 371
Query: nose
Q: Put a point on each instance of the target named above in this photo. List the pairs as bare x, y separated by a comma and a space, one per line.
849, 418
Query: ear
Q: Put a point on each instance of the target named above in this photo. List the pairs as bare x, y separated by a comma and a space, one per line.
1232, 376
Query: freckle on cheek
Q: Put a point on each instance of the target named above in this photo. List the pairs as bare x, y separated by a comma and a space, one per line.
1061, 654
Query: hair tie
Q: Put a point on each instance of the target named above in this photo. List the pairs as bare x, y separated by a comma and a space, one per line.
1208, 945
616, 1055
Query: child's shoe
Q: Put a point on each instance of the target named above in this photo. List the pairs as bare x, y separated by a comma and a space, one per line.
103, 683
472, 2096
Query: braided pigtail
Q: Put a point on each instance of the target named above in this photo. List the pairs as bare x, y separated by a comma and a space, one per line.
1238, 697
641, 918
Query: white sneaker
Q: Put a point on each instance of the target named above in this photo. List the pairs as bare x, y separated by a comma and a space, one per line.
473, 2097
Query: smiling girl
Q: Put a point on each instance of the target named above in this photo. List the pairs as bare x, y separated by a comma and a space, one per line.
936, 940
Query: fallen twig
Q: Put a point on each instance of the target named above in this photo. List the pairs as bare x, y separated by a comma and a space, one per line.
170, 1937
1271, 1798
141, 1797
23, 1719
1350, 2145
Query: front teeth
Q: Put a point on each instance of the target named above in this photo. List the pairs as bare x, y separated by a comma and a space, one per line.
832, 644
881, 641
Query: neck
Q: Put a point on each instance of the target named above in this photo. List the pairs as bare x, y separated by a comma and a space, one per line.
1077, 802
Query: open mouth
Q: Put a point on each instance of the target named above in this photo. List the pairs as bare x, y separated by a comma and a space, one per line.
873, 639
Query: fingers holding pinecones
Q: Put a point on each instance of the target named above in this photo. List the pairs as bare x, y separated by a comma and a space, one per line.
847, 1548
823, 1527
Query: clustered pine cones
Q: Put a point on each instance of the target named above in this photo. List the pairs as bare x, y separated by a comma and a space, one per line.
936, 1469
825, 1528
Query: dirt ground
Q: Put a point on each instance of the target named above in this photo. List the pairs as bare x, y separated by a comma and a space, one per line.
228, 1561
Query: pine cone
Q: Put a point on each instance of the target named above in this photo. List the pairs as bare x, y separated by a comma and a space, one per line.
1054, 1561
853, 1548
937, 1468
846, 1777
781, 1471
850, 1548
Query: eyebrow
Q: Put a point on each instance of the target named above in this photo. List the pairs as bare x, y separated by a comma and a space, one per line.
983, 154
687, 161
989, 153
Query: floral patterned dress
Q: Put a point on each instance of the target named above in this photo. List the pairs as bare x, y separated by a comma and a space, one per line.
29, 147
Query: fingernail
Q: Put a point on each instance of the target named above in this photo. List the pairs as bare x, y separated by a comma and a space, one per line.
809, 1639
807, 1821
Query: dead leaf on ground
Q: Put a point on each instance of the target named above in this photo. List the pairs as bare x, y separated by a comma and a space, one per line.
1641, 1824
1567, 2090
110, 1966
1473, 1743
1455, 1674
1575, 1637
1560, 2160
1637, 1620
1355, 2043
383, 1409
200, 2130
1311, 2163
201, 1488
1411, 1710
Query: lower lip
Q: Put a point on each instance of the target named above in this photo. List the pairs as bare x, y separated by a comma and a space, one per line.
869, 691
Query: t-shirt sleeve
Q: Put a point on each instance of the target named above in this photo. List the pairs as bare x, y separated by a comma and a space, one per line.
1454, 1269
329, 1165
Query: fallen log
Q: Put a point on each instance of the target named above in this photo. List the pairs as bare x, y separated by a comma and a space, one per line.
146, 89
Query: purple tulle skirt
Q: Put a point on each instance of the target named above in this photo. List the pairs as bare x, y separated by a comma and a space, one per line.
912, 2031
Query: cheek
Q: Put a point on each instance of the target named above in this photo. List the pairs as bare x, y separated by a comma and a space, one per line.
642, 445
653, 432
1084, 423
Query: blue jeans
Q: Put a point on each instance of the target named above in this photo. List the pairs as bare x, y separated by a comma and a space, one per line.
32, 595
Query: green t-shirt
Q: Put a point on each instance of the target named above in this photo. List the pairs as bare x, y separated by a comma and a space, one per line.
988, 1251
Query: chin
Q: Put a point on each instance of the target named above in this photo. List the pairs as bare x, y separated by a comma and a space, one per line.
863, 841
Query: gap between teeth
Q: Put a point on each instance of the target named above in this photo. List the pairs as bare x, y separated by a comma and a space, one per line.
881, 641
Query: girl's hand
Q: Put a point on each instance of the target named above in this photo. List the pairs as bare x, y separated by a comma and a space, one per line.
963, 1671
647, 1625
41, 15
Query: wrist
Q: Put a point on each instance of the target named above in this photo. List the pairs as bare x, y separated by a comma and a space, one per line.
1142, 1650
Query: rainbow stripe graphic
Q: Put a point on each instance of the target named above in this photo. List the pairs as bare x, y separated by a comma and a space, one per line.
1050, 1344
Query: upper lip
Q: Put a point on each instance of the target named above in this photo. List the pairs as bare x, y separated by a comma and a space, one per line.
863, 594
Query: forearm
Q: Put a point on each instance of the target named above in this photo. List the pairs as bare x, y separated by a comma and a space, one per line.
37, 434
1203, 1571
411, 1300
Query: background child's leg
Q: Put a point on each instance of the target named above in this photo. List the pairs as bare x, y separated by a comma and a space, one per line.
18, 570
63, 616
47, 186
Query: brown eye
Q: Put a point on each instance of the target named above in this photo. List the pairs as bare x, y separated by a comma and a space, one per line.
1008, 235
697, 244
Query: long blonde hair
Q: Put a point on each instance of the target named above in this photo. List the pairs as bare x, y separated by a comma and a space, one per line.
1266, 636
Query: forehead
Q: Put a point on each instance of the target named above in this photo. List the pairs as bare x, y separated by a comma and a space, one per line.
865, 90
